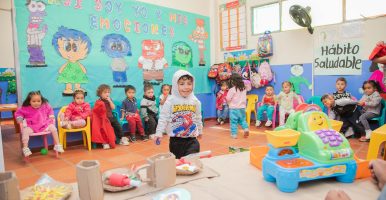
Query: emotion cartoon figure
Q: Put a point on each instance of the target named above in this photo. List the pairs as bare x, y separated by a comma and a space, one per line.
152, 60
199, 35
182, 54
73, 46
117, 47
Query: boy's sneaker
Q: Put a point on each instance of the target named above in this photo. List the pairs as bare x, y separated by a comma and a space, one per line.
106, 146
258, 123
222, 122
218, 120
268, 123
26, 151
349, 132
124, 141
58, 148
368, 134
145, 138
133, 138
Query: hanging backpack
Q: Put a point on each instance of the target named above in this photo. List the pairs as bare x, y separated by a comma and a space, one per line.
236, 69
248, 85
255, 76
213, 71
265, 73
264, 45
245, 72
224, 72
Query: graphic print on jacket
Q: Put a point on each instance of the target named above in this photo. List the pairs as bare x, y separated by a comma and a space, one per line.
182, 120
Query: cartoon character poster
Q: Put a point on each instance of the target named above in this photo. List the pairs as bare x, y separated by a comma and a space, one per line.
199, 35
182, 54
36, 31
73, 46
297, 79
152, 61
117, 47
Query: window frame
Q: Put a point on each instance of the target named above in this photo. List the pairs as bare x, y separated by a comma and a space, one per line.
253, 19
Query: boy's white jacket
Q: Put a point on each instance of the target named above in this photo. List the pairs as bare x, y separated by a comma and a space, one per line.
180, 116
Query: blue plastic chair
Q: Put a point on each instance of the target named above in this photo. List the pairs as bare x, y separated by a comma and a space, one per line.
381, 118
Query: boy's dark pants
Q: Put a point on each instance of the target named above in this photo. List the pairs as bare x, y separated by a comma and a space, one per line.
353, 121
151, 124
117, 127
181, 147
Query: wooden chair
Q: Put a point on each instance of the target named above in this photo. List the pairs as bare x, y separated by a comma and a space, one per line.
86, 131
45, 141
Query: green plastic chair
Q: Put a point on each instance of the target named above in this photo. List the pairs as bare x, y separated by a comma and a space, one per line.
381, 118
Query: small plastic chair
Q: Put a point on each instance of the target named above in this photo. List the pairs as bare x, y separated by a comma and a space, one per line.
273, 114
251, 106
378, 136
117, 114
317, 101
45, 141
86, 132
381, 118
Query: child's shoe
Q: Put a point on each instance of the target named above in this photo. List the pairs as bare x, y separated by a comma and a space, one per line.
246, 133
363, 139
145, 138
222, 122
368, 134
234, 136
106, 146
124, 141
258, 123
218, 120
349, 132
133, 138
58, 148
26, 151
268, 123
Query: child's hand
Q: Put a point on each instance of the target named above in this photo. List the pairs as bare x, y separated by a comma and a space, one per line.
337, 195
146, 119
361, 103
199, 137
377, 168
157, 140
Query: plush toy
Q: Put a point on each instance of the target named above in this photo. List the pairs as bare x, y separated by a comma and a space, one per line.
121, 180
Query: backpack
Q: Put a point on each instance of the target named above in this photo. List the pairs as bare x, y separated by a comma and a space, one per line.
213, 71
248, 85
236, 69
264, 45
255, 78
265, 73
245, 72
224, 72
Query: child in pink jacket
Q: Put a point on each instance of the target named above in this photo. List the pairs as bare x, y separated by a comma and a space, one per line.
76, 113
36, 115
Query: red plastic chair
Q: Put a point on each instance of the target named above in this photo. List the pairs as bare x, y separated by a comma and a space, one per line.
43, 134
273, 114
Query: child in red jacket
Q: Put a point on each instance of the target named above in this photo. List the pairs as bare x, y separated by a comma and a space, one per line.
221, 103
76, 113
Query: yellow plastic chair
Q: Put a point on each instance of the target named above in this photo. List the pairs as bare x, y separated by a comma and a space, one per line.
251, 106
86, 131
378, 136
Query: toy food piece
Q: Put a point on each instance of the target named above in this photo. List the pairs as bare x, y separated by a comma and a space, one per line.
121, 180
188, 166
49, 192
173, 194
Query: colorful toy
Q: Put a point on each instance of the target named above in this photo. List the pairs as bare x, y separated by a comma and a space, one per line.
43, 151
307, 148
121, 180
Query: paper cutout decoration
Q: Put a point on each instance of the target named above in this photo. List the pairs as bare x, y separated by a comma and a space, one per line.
199, 35
152, 61
182, 55
297, 79
36, 31
117, 47
73, 46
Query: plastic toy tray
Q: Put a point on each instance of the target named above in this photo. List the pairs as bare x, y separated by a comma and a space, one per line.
282, 138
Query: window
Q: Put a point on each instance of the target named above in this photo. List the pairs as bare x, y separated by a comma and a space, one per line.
322, 12
357, 9
266, 18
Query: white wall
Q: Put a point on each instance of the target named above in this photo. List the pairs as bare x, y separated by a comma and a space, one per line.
296, 46
6, 43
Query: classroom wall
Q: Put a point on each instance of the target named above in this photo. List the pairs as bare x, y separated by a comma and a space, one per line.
6, 41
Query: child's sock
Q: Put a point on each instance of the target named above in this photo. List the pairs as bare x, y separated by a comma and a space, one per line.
368, 134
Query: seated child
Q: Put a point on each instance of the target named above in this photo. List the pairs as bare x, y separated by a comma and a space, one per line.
371, 103
149, 110
129, 110
76, 113
166, 90
268, 104
105, 127
36, 115
221, 103
181, 117
286, 101
347, 110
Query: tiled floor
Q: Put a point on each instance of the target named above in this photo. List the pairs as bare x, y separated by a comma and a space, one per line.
216, 138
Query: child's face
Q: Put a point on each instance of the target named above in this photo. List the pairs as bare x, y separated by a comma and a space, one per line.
79, 99
166, 90
36, 101
185, 87
340, 86
269, 91
105, 94
224, 87
286, 88
369, 89
328, 102
130, 94
149, 93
